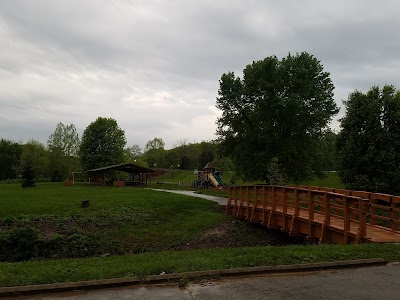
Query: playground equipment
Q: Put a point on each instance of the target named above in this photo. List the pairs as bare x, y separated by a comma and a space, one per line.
208, 177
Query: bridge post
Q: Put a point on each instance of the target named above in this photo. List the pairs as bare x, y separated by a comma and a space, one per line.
264, 204
228, 205
346, 218
294, 230
297, 203
284, 210
235, 201
310, 204
271, 220
327, 204
394, 201
254, 216
239, 208
327, 219
362, 228
249, 203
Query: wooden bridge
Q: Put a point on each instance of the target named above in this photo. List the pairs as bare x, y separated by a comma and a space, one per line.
329, 215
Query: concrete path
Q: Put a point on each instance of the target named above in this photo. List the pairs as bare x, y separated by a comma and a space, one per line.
219, 200
363, 283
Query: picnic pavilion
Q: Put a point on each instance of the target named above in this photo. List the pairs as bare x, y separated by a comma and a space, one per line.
137, 175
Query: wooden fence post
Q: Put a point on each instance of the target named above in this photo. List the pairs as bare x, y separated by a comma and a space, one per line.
395, 213
284, 210
346, 218
310, 204
297, 203
363, 218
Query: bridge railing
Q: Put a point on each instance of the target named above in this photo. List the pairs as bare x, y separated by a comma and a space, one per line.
357, 209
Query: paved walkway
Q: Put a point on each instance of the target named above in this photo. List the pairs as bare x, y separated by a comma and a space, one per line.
363, 283
219, 200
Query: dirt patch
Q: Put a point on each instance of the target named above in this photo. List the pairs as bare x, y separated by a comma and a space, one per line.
235, 233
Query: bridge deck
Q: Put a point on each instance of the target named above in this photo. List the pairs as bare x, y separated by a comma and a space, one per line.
329, 217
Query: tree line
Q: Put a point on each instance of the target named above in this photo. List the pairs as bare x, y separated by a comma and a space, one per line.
103, 143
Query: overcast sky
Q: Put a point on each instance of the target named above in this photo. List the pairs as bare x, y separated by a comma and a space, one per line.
154, 66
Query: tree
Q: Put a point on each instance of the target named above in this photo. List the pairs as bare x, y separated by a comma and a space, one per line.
102, 144
154, 144
154, 153
369, 142
132, 153
33, 162
66, 139
277, 112
10, 154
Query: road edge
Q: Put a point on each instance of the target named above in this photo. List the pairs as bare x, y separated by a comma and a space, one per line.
189, 276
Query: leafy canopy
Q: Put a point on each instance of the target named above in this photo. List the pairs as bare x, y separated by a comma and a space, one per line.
102, 144
275, 116
64, 138
369, 142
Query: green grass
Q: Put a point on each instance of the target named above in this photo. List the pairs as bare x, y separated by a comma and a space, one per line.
331, 180
157, 220
66, 270
54, 198
119, 220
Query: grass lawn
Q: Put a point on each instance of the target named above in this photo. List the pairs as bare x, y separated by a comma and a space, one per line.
118, 221
66, 270
139, 228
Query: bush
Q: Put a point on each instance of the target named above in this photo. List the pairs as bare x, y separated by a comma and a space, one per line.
20, 244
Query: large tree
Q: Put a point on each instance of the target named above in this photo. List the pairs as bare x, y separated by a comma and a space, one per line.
102, 144
369, 142
275, 115
65, 138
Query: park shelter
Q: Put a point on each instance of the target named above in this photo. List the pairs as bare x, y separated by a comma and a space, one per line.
138, 175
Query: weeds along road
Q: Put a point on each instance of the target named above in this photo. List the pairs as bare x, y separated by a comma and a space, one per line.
363, 283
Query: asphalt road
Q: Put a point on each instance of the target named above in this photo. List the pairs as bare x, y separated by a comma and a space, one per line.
366, 283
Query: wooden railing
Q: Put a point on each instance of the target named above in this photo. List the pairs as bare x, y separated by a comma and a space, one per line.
317, 212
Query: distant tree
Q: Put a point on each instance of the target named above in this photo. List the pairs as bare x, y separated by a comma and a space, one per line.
133, 153
32, 163
154, 153
156, 143
10, 153
102, 144
57, 166
279, 110
369, 142
329, 152
205, 157
66, 139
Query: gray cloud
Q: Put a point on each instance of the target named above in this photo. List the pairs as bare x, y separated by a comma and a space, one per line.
154, 65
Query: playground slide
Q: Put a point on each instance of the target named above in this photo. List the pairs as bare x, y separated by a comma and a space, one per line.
213, 180
219, 179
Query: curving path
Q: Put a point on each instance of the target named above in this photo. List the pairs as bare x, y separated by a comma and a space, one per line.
219, 200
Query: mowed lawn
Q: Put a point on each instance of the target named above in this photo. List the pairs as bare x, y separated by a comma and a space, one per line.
118, 220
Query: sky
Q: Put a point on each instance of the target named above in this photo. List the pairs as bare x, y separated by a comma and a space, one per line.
154, 66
